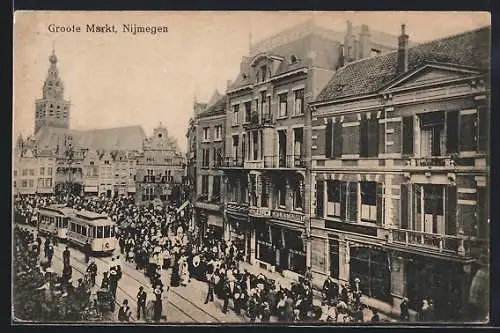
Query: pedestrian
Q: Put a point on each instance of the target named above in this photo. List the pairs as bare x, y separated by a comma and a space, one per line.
92, 272
105, 281
211, 288
124, 312
375, 317
50, 254
46, 247
87, 250
158, 304
330, 290
113, 282
141, 303
66, 256
405, 313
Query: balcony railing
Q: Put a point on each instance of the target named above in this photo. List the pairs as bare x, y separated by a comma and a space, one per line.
438, 242
259, 211
255, 121
282, 161
236, 207
287, 216
434, 161
232, 162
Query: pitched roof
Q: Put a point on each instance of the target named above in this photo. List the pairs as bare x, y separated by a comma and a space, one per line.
119, 138
471, 48
217, 108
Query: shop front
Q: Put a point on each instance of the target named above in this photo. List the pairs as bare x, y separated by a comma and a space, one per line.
215, 226
371, 264
240, 233
280, 247
437, 280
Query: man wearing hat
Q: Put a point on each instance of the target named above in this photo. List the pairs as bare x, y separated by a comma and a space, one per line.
211, 288
330, 289
158, 304
141, 303
113, 281
92, 272
124, 312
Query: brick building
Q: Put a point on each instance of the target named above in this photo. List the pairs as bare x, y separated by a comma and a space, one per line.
267, 162
400, 173
210, 132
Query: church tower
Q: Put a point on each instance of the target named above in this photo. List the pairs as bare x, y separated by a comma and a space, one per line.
52, 110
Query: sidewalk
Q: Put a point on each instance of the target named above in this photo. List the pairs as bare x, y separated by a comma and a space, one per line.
384, 311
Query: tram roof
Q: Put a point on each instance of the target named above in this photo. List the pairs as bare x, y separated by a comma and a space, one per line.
95, 219
60, 209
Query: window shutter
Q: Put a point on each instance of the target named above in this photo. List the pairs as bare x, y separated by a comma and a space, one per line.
337, 139
408, 135
328, 139
320, 190
452, 132
343, 200
373, 136
468, 131
451, 214
404, 207
363, 137
483, 129
380, 204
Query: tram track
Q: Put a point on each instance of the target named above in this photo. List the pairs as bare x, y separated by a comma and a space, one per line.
130, 297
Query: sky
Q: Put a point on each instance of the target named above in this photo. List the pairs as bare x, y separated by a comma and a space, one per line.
119, 79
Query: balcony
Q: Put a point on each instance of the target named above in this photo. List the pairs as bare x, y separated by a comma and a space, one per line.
235, 207
231, 162
287, 216
282, 161
266, 120
259, 211
204, 202
428, 162
437, 242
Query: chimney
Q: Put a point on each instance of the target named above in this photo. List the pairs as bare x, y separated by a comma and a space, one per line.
365, 41
403, 51
341, 56
348, 43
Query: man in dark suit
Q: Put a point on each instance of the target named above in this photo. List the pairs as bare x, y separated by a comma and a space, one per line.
211, 288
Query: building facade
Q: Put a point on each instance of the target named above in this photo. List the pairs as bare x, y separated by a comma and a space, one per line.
210, 131
159, 170
268, 144
400, 173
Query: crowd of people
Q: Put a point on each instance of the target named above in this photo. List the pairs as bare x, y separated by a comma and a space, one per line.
159, 238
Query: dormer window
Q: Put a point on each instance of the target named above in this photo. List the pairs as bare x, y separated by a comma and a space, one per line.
263, 70
293, 59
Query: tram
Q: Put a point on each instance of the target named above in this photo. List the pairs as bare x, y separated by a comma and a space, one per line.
53, 220
96, 229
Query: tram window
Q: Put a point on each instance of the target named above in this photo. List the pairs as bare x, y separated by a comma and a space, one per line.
79, 229
51, 220
73, 227
84, 231
58, 222
112, 232
107, 231
65, 222
92, 231
99, 232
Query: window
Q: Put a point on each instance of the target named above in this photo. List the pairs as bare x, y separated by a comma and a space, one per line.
333, 193
32, 172
15, 173
368, 141
148, 194
236, 109
350, 139
204, 184
264, 195
297, 195
428, 208
49, 182
283, 104
333, 139
30, 183
369, 201
408, 135
206, 157
205, 134
281, 194
299, 102
218, 132
100, 232
248, 111
431, 134
468, 130
235, 146
255, 141
107, 231
263, 71
216, 189
25, 172
334, 257
42, 171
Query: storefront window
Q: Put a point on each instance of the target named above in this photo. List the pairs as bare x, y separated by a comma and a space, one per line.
334, 257
371, 266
